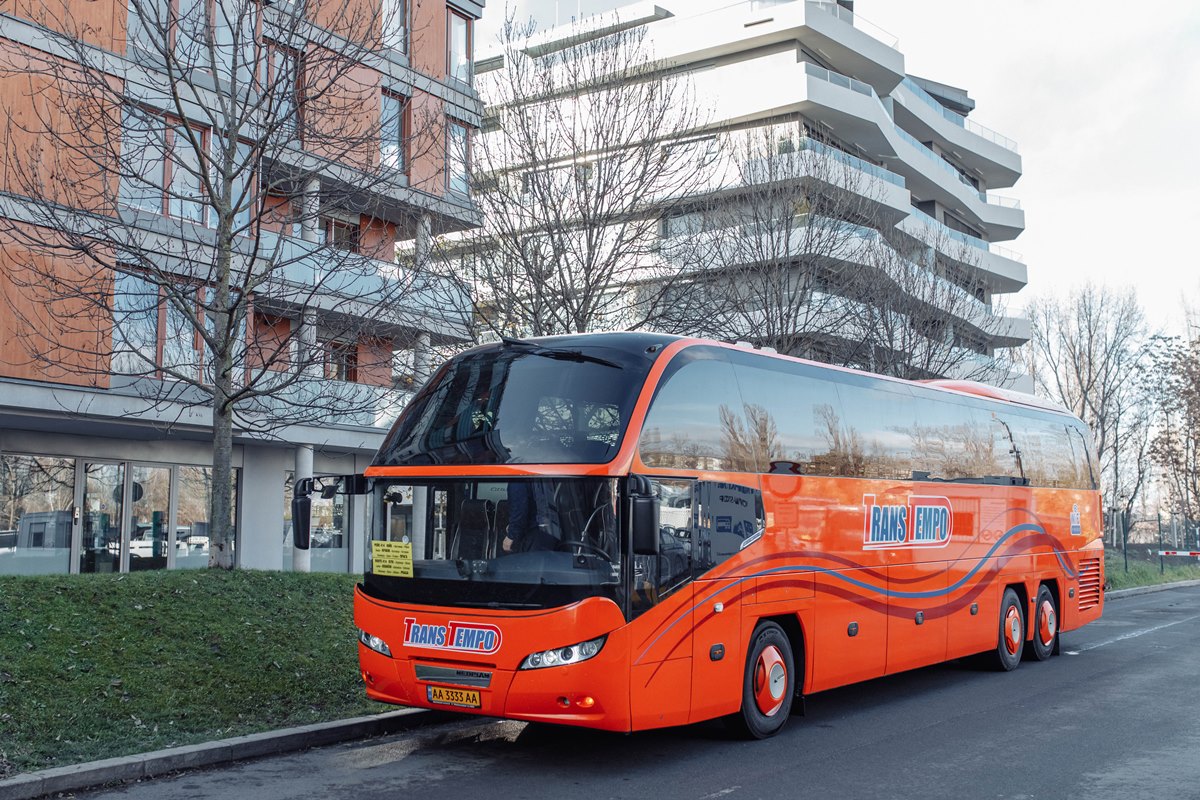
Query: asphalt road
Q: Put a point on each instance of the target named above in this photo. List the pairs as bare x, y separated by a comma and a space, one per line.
1117, 715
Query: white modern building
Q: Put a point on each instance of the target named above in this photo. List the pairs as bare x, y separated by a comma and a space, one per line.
834, 91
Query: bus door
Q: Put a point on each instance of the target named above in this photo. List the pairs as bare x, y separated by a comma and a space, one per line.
728, 518
661, 605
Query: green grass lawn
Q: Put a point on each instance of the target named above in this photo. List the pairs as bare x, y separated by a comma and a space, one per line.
1145, 573
97, 666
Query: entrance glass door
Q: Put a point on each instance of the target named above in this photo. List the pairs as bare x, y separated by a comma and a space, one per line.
103, 493
150, 500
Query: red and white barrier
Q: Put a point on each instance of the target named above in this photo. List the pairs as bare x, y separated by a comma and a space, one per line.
1179, 553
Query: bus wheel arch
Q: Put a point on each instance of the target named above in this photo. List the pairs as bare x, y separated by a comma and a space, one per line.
1045, 622
769, 679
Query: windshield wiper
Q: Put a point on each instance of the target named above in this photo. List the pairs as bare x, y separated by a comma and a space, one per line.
993, 480
555, 353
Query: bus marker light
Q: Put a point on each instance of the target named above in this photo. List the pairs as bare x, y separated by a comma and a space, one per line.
585, 702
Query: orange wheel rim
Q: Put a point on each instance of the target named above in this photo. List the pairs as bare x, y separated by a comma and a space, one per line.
1047, 623
770, 681
1012, 630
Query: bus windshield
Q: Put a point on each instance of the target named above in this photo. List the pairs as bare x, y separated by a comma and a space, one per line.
520, 543
519, 403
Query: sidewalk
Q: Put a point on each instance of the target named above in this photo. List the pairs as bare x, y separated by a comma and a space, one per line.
159, 762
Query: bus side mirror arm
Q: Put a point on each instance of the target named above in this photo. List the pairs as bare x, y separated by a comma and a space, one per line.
643, 516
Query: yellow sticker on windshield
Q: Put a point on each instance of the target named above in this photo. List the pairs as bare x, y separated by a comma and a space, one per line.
393, 559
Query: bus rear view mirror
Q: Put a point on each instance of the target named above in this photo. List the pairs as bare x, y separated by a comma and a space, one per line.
643, 516
301, 513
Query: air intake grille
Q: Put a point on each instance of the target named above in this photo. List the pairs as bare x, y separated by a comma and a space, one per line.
1089, 583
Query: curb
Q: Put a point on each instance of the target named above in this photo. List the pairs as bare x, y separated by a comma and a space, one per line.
147, 765
1118, 594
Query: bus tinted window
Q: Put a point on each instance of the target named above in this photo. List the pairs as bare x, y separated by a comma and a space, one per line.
878, 420
796, 413
516, 406
1046, 452
696, 420
955, 441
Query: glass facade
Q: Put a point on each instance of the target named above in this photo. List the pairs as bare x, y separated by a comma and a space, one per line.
37, 496
60, 515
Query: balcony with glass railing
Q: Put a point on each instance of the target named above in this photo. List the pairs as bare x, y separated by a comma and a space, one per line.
959, 120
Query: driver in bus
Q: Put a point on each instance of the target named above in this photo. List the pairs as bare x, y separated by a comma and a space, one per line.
531, 521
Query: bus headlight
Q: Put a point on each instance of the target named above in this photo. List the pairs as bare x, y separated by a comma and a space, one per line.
375, 643
561, 656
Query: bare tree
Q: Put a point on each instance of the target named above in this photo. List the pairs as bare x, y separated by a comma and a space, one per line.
1088, 352
925, 311
777, 240
1175, 448
578, 160
208, 222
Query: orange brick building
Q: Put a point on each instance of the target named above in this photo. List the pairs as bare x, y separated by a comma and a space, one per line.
92, 476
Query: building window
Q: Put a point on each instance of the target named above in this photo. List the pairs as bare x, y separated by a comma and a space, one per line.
341, 360
395, 25
147, 18
36, 497
457, 158
285, 115
393, 131
143, 160
192, 525
135, 326
186, 185
341, 234
459, 50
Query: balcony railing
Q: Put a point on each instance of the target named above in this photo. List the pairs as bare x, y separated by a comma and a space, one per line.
964, 238
838, 79
848, 16
959, 120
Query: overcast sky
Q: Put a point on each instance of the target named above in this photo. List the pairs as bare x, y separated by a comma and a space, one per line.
1103, 99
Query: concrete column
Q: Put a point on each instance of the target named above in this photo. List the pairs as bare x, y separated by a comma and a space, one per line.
423, 246
310, 211
422, 358
260, 540
307, 358
302, 559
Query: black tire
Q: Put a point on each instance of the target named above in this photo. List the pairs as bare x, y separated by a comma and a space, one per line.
1011, 638
1045, 626
768, 684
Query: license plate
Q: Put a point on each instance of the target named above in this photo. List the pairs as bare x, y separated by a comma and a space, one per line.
465, 698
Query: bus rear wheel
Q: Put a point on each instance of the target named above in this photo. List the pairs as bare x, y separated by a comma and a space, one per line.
768, 684
1011, 639
1045, 625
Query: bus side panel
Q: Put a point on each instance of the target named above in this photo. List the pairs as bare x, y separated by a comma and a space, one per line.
916, 625
660, 681
850, 628
719, 647
969, 633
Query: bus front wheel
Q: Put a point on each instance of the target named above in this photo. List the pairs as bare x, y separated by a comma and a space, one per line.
1011, 640
768, 684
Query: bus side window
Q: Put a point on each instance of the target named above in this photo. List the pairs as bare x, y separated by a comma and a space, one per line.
729, 518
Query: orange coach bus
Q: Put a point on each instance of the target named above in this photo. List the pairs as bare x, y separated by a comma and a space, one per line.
627, 531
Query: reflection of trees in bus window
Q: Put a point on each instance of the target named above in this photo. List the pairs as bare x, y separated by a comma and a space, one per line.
843, 454
952, 441
684, 427
750, 440
1046, 452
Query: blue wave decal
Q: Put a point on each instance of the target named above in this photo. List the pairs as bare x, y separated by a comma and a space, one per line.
903, 595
